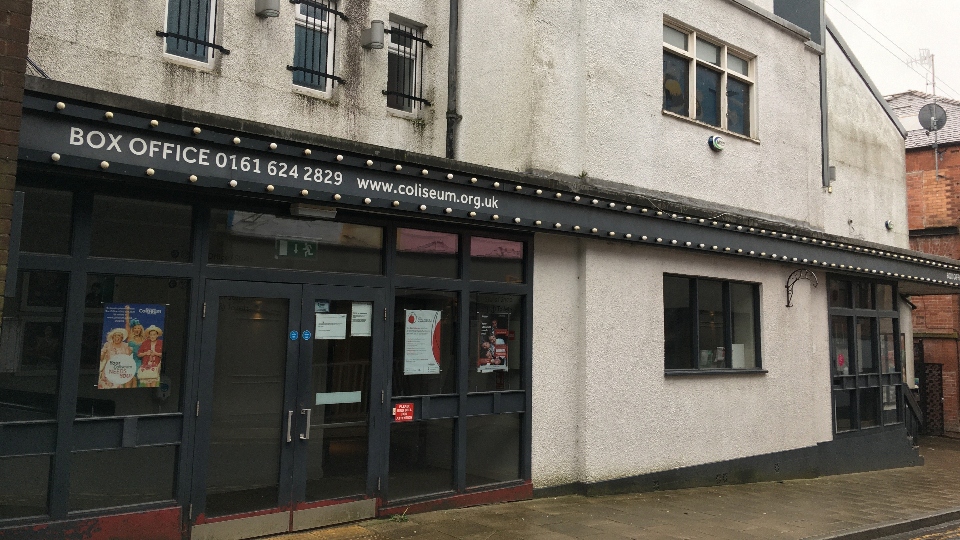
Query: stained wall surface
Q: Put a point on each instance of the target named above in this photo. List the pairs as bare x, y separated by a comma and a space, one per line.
868, 152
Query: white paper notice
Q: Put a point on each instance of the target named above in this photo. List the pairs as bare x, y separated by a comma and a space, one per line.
361, 316
331, 326
421, 352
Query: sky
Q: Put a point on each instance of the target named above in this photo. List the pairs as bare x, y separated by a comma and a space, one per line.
911, 25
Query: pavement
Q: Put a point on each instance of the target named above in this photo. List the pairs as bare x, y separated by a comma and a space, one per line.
860, 506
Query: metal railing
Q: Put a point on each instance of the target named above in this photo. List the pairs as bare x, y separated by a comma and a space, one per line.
405, 67
316, 41
912, 414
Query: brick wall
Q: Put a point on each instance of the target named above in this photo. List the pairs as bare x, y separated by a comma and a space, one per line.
944, 352
934, 201
14, 36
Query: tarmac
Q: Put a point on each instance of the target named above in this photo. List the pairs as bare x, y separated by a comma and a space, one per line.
859, 506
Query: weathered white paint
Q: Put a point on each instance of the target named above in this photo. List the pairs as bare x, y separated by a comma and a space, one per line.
602, 407
111, 45
868, 153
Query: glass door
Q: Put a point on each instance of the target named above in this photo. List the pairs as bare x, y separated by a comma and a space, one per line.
341, 349
284, 430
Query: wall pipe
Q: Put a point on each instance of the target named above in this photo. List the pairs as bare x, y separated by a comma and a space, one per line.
453, 118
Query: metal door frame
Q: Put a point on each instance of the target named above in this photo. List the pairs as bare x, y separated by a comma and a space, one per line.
296, 392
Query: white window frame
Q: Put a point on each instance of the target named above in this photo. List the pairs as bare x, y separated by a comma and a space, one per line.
725, 73
211, 29
418, 30
322, 25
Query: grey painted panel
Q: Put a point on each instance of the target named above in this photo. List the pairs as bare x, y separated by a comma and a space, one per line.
32, 438
238, 529
426, 193
331, 515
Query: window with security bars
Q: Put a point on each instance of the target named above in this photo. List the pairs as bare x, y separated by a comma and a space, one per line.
315, 37
405, 67
191, 30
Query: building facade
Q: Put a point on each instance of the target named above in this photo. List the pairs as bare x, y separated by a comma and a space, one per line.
933, 229
277, 268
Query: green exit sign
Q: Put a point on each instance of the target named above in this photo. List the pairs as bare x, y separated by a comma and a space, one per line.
295, 248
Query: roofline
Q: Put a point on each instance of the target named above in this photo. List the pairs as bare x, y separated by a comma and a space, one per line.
777, 20
848, 52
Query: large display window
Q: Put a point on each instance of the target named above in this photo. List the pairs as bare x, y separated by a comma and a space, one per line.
101, 382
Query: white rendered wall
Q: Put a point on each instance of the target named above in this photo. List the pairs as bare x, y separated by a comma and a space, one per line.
582, 95
111, 45
868, 153
604, 340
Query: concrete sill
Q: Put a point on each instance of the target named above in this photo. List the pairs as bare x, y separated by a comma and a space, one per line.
712, 372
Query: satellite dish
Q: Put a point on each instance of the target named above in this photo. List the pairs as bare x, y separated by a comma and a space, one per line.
932, 117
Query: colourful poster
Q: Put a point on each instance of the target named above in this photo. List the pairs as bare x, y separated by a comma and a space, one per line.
493, 348
421, 354
132, 346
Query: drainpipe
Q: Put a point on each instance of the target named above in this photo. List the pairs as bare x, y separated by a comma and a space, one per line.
454, 52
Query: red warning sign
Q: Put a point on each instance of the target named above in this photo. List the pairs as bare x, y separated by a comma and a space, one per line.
403, 412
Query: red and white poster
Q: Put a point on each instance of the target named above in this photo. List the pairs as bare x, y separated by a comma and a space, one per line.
492, 343
421, 354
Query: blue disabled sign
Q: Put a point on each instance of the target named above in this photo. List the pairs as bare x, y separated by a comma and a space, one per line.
294, 335
307, 335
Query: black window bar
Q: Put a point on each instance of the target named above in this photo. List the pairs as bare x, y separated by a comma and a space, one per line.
405, 68
188, 26
315, 43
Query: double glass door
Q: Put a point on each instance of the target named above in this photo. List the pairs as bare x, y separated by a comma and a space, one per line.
285, 421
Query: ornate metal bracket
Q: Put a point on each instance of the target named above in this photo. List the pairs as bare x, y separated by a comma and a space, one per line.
796, 276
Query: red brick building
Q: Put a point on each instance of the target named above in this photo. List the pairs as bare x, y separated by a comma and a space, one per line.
933, 198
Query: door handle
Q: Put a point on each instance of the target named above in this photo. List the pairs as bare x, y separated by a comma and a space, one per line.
289, 425
306, 436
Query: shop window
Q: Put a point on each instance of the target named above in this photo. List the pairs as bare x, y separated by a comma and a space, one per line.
865, 356
424, 343
705, 318
190, 30
496, 342
121, 477
314, 35
493, 259
270, 241
405, 66
23, 486
427, 253
493, 448
31, 347
134, 345
421, 458
139, 229
718, 77
47, 215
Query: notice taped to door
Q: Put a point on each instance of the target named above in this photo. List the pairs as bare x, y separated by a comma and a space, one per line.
361, 317
421, 351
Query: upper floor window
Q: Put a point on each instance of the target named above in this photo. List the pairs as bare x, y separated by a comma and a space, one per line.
405, 66
707, 80
710, 324
191, 30
314, 42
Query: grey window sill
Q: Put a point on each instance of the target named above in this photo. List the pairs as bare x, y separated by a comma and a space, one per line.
713, 372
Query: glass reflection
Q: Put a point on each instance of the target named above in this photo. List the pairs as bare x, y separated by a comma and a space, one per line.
427, 253
421, 458
269, 241
493, 259
493, 448
31, 347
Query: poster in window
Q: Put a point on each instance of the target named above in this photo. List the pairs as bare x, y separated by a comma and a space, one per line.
492, 342
421, 351
132, 350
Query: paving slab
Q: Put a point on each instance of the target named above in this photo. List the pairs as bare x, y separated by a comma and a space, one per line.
858, 506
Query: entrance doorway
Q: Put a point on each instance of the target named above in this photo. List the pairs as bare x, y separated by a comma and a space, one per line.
285, 416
